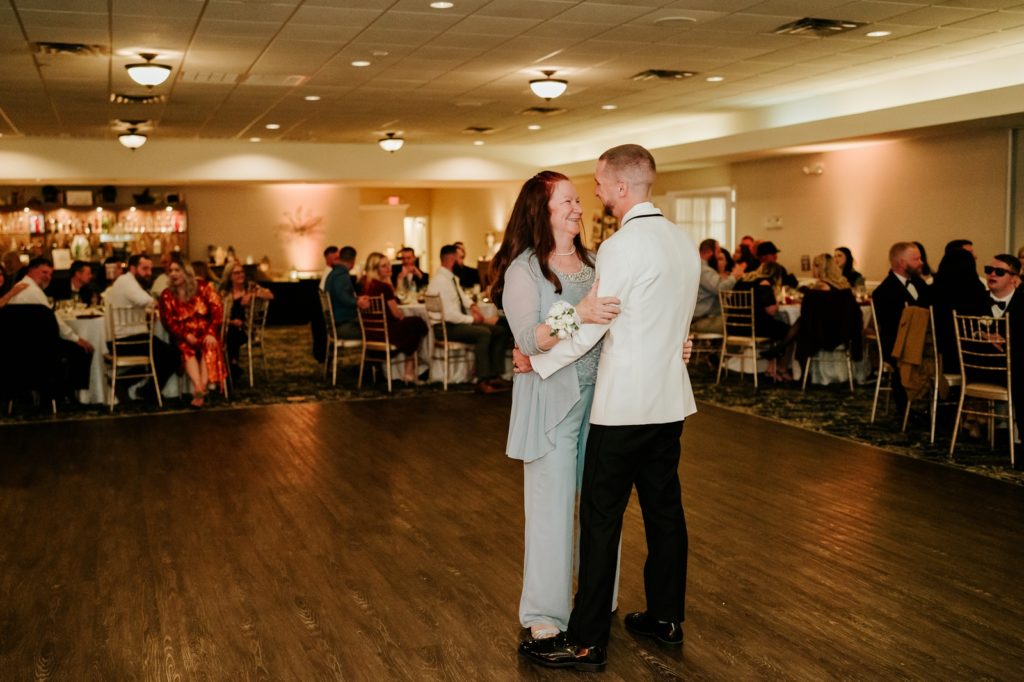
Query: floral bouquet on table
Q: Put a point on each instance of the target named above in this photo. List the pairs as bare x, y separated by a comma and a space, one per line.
563, 320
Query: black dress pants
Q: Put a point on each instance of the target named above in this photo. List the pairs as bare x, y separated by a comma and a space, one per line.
617, 458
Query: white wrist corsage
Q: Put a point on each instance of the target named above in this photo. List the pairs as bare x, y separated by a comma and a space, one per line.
563, 320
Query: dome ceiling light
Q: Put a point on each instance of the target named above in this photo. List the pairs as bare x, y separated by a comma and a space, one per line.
148, 74
548, 88
132, 138
391, 143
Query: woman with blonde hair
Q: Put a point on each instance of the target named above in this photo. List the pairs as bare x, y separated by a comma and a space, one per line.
404, 332
827, 273
192, 312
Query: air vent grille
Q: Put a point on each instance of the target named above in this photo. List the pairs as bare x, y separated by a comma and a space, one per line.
663, 75
478, 130
823, 28
542, 111
71, 49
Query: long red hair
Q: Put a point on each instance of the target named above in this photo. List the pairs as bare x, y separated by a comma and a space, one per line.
529, 226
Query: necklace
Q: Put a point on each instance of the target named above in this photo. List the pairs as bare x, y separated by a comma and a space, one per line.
567, 253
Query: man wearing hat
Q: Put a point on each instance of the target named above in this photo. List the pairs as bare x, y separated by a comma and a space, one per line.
767, 252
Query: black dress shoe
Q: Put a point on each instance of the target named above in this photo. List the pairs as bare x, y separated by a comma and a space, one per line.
665, 631
560, 652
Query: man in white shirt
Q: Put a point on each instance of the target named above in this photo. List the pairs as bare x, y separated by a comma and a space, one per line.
641, 398
75, 350
707, 315
162, 281
489, 336
129, 291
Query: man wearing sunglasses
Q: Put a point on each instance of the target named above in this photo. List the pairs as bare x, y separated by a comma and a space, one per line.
902, 287
1002, 275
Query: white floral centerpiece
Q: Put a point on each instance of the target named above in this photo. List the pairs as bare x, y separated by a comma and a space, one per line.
563, 320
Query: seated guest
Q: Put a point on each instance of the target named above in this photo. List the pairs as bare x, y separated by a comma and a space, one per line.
763, 282
202, 271
767, 252
746, 253
844, 259
78, 286
191, 311
237, 291
1002, 277
827, 275
903, 286
8, 289
162, 280
406, 275
957, 244
330, 259
404, 332
76, 352
956, 289
468, 277
707, 314
829, 314
926, 273
463, 321
342, 291
129, 291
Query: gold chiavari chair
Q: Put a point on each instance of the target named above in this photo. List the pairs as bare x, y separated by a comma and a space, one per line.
347, 349
885, 368
374, 323
130, 359
444, 349
983, 344
739, 330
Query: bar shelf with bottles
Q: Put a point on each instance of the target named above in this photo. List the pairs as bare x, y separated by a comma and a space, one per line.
93, 234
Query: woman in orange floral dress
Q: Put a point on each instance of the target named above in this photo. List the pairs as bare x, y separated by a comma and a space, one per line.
192, 311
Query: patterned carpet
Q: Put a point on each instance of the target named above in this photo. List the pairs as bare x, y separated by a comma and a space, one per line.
295, 376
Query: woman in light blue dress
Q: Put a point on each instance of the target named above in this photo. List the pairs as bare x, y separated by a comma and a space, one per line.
542, 260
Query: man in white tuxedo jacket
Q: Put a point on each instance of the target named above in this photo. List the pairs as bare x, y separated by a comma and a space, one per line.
642, 396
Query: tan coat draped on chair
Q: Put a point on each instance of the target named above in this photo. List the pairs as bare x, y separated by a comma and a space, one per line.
909, 351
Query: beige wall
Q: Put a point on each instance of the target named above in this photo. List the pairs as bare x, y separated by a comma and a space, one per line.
930, 190
468, 214
258, 221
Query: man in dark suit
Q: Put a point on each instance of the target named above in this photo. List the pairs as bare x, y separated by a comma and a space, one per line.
78, 286
903, 286
1002, 276
406, 274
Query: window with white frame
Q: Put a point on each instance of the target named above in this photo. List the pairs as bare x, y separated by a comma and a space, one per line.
705, 214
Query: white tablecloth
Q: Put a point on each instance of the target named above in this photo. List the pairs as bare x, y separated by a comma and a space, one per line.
94, 330
458, 372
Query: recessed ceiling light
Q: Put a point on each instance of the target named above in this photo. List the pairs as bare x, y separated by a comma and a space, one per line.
478, 143
533, 126
360, 63
273, 126
255, 139
715, 79
442, 5
879, 34
312, 98
380, 53
609, 107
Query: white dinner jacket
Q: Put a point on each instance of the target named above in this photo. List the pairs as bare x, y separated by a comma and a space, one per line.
654, 268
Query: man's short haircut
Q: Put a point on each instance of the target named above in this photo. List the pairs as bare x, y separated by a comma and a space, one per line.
707, 245
1012, 262
133, 261
329, 250
38, 262
347, 254
448, 250
407, 248
632, 161
77, 266
898, 249
958, 244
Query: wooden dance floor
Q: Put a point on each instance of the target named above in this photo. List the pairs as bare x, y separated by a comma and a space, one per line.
382, 540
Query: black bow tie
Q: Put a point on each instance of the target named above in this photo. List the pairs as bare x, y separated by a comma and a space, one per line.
999, 304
